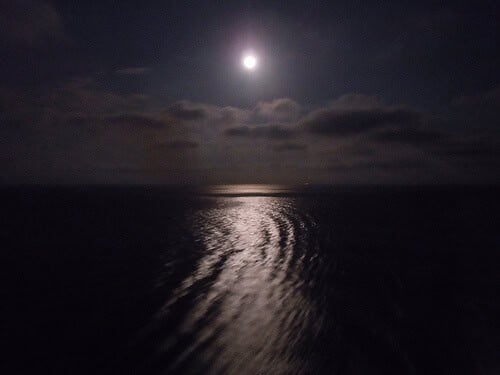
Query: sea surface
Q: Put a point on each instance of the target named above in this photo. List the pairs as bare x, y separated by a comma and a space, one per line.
250, 279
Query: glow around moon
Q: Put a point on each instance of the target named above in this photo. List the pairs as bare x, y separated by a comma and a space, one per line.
249, 61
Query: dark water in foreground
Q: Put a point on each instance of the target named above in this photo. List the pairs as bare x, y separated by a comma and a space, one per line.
252, 280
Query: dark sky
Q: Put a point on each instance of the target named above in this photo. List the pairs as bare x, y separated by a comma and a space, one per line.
345, 92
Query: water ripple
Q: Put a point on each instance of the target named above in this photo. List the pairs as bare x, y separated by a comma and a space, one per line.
247, 310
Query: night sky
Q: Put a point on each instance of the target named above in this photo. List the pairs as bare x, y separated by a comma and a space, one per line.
344, 92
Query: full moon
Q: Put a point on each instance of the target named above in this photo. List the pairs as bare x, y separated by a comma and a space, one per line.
249, 62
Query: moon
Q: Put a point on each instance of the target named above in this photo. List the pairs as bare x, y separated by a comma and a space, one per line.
249, 62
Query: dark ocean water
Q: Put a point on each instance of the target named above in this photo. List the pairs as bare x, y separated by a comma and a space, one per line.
250, 280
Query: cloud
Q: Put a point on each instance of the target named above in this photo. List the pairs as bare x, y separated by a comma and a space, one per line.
383, 165
284, 147
408, 136
467, 149
186, 111
132, 71
279, 111
346, 122
134, 120
179, 145
79, 127
272, 132
30, 22
283, 109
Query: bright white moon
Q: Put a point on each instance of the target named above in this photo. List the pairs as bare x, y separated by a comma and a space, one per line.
250, 62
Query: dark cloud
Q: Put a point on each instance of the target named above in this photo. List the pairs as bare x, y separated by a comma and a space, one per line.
467, 149
338, 122
80, 127
179, 145
242, 131
121, 170
290, 147
283, 109
186, 111
408, 136
380, 165
232, 115
134, 120
273, 132
29, 21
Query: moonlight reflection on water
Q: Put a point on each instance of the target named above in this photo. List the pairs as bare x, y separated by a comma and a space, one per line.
274, 283
251, 312
253, 279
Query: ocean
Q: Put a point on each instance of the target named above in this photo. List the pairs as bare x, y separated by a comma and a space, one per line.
250, 279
